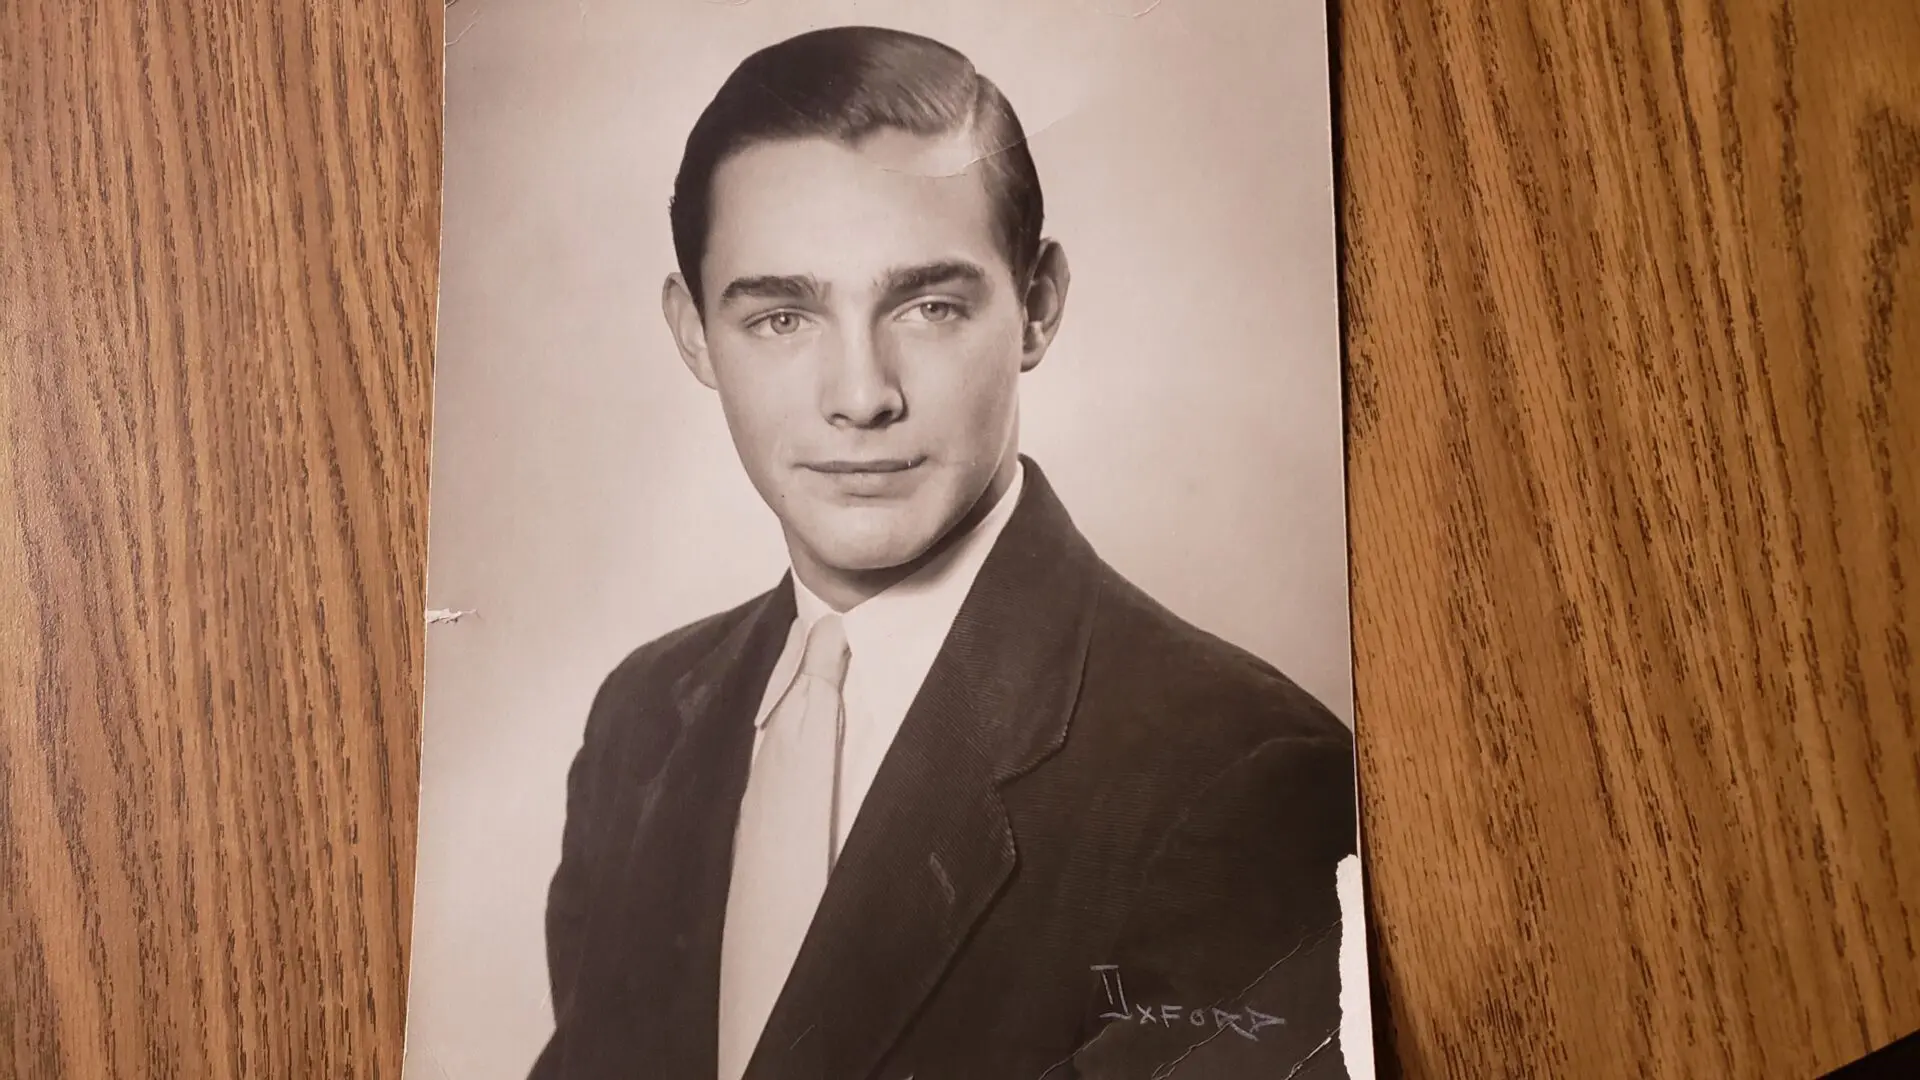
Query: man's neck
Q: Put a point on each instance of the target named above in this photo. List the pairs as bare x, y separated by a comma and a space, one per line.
844, 590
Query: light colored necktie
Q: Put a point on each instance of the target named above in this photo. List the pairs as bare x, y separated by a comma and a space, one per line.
783, 844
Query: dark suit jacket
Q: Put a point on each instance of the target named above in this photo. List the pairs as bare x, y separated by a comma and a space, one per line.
1102, 841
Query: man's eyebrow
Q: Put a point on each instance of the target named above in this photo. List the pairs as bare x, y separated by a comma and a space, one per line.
772, 287
907, 279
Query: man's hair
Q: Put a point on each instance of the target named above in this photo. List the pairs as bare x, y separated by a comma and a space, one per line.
844, 84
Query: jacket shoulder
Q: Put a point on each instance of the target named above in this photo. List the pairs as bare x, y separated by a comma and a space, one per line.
1205, 737
650, 670
672, 649
1195, 684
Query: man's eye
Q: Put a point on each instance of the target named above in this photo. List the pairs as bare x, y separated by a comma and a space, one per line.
934, 311
780, 323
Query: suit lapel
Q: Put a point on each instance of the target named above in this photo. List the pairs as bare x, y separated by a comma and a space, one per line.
932, 847
674, 877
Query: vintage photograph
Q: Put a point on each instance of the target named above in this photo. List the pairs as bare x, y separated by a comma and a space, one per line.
888, 548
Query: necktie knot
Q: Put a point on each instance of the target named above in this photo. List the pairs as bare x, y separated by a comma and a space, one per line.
826, 655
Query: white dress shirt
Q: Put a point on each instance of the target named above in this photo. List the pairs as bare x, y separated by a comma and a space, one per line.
893, 638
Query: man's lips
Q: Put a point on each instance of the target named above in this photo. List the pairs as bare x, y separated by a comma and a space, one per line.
863, 466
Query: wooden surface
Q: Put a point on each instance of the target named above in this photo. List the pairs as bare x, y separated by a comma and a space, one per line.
218, 244
1633, 290
1633, 301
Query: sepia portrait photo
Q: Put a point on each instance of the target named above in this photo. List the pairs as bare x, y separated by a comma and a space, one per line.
887, 547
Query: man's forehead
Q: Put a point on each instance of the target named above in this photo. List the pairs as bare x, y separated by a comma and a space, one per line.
824, 201
947, 155
894, 152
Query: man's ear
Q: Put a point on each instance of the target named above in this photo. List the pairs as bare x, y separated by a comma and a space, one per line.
1045, 302
689, 332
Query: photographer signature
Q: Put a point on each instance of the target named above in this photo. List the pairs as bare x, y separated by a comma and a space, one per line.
1246, 1022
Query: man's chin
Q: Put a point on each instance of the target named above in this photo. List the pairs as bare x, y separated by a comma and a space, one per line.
870, 558
874, 549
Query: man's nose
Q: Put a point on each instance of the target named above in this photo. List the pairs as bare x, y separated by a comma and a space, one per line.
860, 387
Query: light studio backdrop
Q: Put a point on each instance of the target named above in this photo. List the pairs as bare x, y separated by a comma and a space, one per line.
586, 497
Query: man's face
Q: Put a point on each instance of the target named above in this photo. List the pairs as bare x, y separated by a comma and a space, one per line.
865, 333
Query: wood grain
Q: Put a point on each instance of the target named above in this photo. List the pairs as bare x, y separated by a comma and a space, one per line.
1631, 297
218, 237
1633, 304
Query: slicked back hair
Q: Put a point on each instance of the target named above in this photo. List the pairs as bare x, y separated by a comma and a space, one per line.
846, 83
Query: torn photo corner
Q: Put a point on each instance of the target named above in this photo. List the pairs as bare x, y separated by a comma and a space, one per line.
897, 451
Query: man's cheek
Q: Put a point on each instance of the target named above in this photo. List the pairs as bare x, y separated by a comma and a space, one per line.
989, 405
760, 416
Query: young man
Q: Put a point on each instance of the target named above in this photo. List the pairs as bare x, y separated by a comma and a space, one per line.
953, 799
